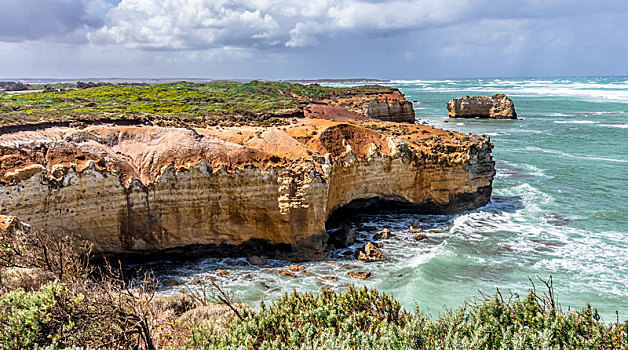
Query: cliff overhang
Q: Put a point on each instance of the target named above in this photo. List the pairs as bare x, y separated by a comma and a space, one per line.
139, 189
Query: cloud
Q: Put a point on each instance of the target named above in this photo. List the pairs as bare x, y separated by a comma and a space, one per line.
312, 38
185, 25
202, 24
22, 20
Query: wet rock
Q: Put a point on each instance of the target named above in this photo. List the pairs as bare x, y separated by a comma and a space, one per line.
256, 260
367, 228
384, 234
557, 220
197, 282
248, 276
286, 272
296, 268
330, 261
415, 229
378, 244
329, 278
369, 252
221, 273
342, 237
420, 236
433, 231
170, 282
327, 287
360, 274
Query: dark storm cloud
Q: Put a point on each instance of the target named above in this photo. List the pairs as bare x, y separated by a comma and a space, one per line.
22, 20
314, 38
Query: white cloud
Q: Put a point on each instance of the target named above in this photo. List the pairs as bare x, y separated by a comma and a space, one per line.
185, 24
201, 24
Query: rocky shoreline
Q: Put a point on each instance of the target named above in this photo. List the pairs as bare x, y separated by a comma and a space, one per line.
144, 189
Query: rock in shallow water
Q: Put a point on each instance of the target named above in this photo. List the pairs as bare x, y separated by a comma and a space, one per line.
369, 253
384, 234
360, 274
342, 237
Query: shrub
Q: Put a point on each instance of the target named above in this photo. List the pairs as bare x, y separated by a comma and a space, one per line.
366, 319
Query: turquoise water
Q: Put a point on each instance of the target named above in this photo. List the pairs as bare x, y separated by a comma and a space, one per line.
559, 208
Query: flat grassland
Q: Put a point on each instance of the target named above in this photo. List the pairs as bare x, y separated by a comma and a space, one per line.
180, 103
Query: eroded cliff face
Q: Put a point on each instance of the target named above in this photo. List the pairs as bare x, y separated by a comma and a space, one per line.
392, 107
145, 189
498, 106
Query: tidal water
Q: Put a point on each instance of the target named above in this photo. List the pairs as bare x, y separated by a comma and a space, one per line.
559, 208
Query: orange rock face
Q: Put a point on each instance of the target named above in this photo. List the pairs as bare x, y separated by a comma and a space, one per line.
145, 189
392, 107
498, 106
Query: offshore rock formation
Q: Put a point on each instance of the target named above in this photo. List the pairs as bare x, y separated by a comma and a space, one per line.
140, 189
498, 106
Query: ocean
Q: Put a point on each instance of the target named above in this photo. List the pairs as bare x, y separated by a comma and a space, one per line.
559, 208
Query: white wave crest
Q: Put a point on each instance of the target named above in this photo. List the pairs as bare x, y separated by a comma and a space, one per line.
569, 155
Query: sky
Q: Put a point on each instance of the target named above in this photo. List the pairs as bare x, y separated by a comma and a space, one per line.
309, 39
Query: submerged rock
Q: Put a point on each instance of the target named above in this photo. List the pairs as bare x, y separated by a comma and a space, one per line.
329, 278
498, 106
286, 272
369, 253
360, 274
256, 260
420, 236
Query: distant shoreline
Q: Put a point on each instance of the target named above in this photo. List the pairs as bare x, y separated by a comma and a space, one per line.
172, 80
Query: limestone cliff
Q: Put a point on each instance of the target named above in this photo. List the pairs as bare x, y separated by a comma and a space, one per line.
145, 189
391, 106
498, 106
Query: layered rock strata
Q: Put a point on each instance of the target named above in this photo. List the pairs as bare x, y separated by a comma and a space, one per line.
145, 189
498, 106
391, 106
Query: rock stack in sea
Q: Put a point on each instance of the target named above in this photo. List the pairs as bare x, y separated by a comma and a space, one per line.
498, 106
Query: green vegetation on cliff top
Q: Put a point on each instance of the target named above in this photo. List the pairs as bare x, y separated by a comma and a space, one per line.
254, 101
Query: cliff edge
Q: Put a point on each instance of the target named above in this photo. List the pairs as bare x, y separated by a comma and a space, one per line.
136, 189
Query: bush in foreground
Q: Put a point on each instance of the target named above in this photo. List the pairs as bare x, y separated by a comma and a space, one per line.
105, 310
56, 316
367, 319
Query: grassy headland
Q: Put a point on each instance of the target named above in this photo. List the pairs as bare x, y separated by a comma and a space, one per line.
195, 104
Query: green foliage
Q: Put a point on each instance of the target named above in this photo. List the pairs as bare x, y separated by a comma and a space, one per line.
13, 86
366, 319
28, 319
254, 99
